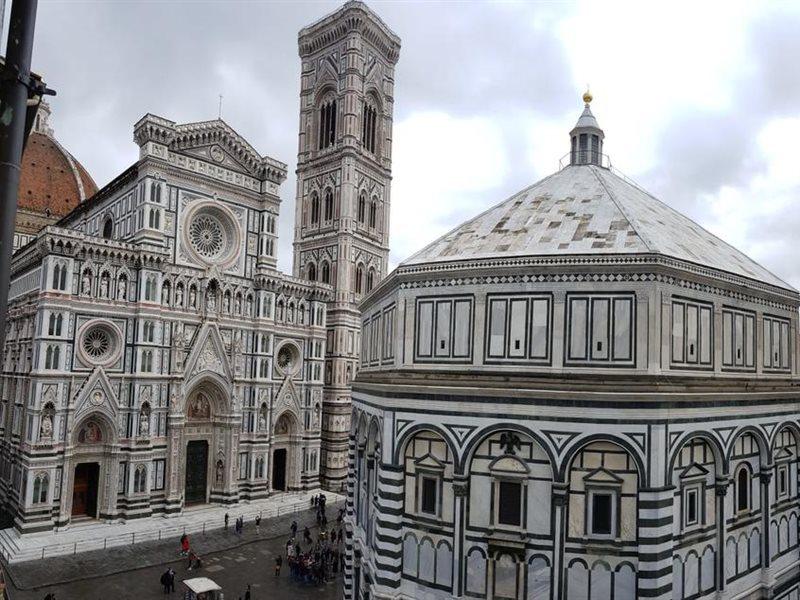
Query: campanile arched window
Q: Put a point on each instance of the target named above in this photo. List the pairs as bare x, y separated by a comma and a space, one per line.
373, 213
314, 209
327, 123
369, 125
328, 205
362, 208
326, 272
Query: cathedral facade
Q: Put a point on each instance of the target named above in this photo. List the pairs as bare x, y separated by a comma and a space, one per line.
579, 394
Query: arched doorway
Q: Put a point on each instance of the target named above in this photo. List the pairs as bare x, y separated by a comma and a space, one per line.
92, 461
84, 490
279, 469
196, 485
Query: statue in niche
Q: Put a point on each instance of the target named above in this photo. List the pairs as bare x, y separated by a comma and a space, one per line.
86, 283
104, 282
179, 295
144, 424
46, 430
220, 472
211, 300
238, 304
227, 302
262, 422
192, 297
122, 288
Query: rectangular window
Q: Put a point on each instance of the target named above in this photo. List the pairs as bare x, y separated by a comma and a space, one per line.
783, 480
691, 333
691, 506
509, 503
123, 477
428, 499
444, 329
158, 475
516, 328
601, 329
462, 337
424, 328
678, 314
602, 507
497, 328
738, 339
243, 464
776, 343
540, 322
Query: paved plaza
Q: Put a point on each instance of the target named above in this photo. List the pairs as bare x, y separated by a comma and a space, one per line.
133, 572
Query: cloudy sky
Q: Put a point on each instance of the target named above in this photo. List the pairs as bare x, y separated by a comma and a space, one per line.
699, 100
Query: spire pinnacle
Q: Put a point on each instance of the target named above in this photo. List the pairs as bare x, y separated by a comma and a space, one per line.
587, 96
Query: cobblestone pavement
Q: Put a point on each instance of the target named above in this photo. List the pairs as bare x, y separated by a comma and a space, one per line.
133, 572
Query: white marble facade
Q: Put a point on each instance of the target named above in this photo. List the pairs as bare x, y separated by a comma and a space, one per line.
578, 395
155, 357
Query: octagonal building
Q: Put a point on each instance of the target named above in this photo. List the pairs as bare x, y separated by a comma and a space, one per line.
578, 394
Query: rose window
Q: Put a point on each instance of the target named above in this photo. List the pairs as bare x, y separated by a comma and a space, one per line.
207, 236
96, 342
287, 358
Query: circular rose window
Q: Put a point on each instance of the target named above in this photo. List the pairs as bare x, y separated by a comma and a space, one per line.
212, 234
288, 359
99, 343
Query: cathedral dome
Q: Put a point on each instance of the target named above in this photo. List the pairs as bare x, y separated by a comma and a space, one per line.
52, 181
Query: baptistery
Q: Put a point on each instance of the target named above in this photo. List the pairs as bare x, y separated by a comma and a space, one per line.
578, 394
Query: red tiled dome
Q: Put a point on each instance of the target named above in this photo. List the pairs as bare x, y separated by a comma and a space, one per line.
51, 181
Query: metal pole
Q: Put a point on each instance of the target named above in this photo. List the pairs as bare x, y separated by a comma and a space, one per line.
13, 109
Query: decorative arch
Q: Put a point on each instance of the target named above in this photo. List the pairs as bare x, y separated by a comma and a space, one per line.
576, 448
479, 436
215, 398
720, 457
408, 435
764, 449
286, 424
95, 428
793, 427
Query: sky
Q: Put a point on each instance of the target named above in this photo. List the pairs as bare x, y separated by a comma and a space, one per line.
698, 100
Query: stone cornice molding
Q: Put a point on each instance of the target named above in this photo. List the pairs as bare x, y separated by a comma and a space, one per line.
356, 17
280, 283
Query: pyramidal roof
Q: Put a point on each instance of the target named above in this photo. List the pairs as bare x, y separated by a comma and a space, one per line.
587, 209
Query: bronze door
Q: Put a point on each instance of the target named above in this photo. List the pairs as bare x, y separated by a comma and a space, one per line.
84, 489
279, 469
196, 472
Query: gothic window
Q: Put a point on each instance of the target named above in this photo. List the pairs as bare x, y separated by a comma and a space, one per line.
147, 361
108, 228
51, 357
327, 123
370, 279
57, 270
362, 208
328, 205
326, 272
56, 321
279, 315
358, 283
40, 487
369, 120
314, 209
148, 329
743, 489
140, 479
312, 272
373, 214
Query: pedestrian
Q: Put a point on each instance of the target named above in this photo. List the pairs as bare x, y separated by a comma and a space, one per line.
165, 581
247, 593
226, 521
171, 573
313, 502
294, 529
258, 524
278, 564
307, 535
50, 596
184, 545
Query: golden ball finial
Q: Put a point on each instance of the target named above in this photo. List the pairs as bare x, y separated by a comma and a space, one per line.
587, 96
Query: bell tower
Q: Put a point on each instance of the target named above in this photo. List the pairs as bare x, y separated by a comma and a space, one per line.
341, 232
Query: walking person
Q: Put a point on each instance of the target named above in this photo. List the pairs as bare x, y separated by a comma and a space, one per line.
165, 581
278, 564
184, 545
171, 573
226, 521
307, 535
258, 524
294, 529
247, 593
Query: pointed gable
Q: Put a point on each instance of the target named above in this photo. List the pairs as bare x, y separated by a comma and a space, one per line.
208, 354
96, 395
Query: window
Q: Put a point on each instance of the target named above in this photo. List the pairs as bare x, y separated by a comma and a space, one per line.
509, 503
743, 489
428, 497
60, 277
328, 205
518, 328
692, 333
244, 463
55, 323
373, 214
691, 506
312, 272
314, 209
326, 272
51, 357
140, 479
601, 509
108, 228
601, 329
783, 480
738, 339
369, 119
776, 343
362, 209
444, 329
158, 474
370, 279
40, 486
327, 124
358, 284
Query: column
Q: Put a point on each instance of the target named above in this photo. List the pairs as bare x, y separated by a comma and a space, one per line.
347, 593
764, 478
655, 523
721, 489
387, 553
460, 495
560, 497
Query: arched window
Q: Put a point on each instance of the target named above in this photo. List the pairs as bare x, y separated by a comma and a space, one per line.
158, 219
152, 221
743, 489
359, 279
362, 208
56, 276
327, 123
328, 205
40, 486
108, 228
369, 122
373, 213
48, 357
312, 272
326, 272
370, 279
314, 209
279, 315
51, 328
140, 479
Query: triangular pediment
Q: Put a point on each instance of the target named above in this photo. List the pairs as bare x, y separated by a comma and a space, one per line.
429, 461
215, 154
602, 476
694, 470
509, 464
783, 454
97, 395
208, 354
287, 397
216, 142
